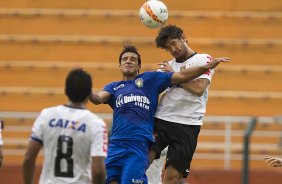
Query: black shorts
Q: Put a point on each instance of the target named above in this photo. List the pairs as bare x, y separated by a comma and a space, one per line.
181, 141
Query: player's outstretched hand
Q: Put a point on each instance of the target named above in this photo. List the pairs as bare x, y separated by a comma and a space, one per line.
273, 161
216, 62
164, 67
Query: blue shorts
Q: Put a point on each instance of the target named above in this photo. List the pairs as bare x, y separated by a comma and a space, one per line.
127, 162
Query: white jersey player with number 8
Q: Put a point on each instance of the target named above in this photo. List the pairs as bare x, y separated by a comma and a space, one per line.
72, 138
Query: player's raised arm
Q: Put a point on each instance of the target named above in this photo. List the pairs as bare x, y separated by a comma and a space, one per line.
192, 73
99, 97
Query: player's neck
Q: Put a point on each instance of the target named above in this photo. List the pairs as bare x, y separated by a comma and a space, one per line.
129, 77
126, 78
189, 54
76, 105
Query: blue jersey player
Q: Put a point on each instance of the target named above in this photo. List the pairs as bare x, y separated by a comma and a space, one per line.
134, 100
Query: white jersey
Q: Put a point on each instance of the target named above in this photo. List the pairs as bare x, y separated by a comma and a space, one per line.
180, 106
70, 136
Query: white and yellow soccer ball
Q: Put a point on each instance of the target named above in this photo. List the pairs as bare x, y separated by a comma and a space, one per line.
153, 13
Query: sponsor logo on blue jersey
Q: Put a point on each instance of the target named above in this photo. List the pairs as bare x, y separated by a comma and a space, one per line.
120, 86
64, 123
137, 181
141, 101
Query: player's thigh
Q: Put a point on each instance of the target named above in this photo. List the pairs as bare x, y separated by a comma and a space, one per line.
162, 136
135, 168
113, 174
114, 163
181, 151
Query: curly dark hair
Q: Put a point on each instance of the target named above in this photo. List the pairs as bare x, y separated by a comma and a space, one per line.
132, 49
166, 33
78, 85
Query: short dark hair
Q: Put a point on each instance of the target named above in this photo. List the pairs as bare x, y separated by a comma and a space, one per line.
166, 33
130, 48
78, 85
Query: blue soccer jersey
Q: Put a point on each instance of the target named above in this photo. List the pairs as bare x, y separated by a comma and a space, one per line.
134, 103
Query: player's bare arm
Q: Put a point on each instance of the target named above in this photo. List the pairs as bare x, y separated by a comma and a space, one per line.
196, 87
99, 97
192, 73
29, 161
98, 170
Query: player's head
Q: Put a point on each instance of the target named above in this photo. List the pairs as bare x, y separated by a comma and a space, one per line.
78, 85
129, 61
172, 39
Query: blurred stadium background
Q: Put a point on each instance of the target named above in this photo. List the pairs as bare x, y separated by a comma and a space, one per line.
40, 41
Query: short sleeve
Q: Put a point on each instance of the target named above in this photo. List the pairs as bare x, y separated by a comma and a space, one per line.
37, 132
164, 80
99, 146
109, 88
204, 59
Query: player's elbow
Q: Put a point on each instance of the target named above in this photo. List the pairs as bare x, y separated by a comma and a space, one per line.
95, 99
200, 88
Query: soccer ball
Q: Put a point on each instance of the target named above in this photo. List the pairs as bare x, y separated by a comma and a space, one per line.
153, 13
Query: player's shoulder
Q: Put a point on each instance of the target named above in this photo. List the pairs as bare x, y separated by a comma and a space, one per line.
115, 84
50, 110
155, 76
94, 119
201, 59
170, 62
203, 56
146, 75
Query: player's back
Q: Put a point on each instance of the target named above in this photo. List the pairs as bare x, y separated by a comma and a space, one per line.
68, 137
